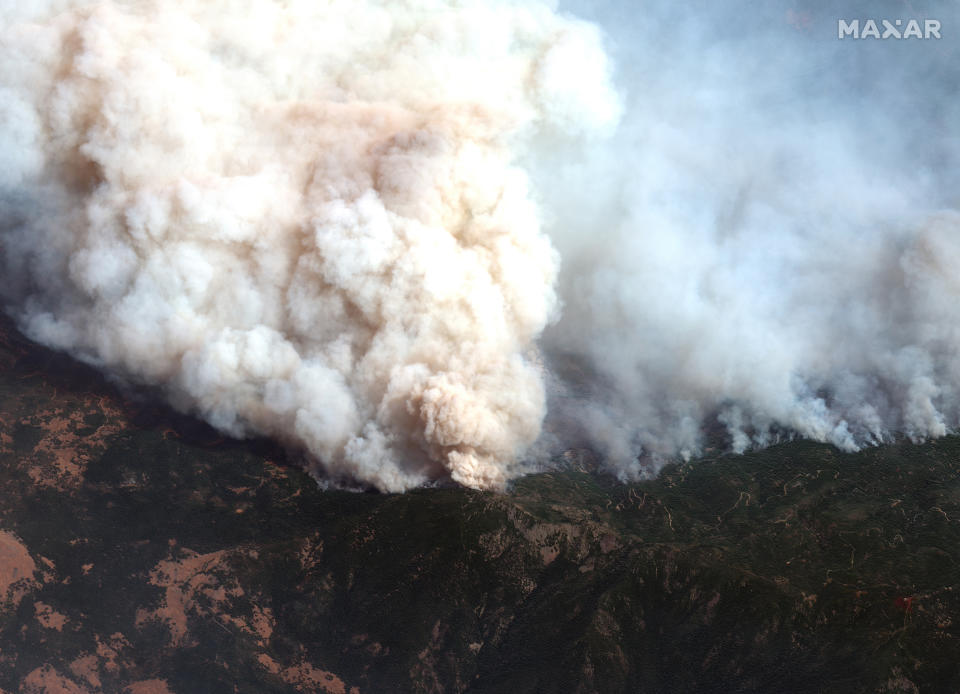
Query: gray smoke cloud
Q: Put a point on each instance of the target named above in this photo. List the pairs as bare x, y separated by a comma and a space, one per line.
389, 234
769, 244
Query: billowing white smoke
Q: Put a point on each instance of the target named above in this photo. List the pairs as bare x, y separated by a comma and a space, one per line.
314, 221
301, 219
770, 244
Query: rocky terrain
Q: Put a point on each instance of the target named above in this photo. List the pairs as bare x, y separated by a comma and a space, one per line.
140, 552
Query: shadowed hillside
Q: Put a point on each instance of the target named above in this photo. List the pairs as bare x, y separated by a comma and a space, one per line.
141, 552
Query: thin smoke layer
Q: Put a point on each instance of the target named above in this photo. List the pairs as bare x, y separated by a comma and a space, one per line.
301, 220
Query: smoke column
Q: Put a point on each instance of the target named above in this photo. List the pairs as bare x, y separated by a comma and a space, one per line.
299, 219
770, 244
389, 234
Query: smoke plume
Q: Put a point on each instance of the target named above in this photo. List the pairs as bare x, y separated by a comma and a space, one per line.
769, 245
387, 234
300, 219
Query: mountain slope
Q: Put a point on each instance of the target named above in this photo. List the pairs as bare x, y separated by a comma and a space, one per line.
141, 552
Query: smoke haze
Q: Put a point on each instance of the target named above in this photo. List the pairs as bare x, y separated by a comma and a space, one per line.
769, 244
389, 235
